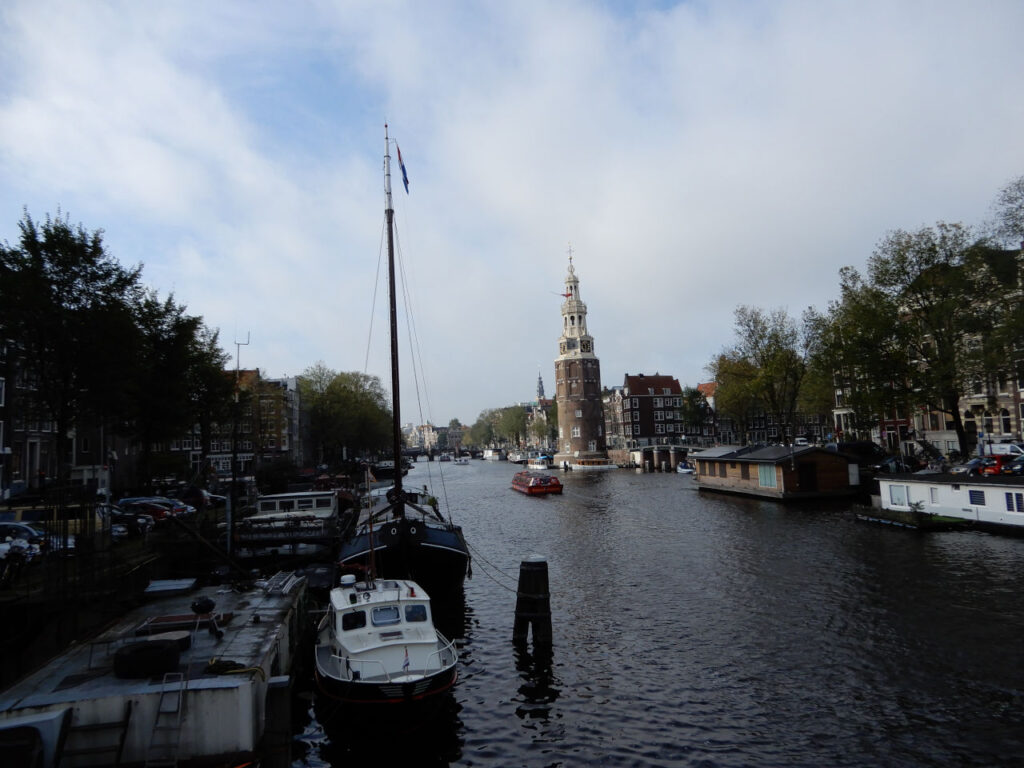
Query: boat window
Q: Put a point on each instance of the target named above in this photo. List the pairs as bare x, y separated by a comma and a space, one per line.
385, 615
268, 506
976, 498
323, 503
898, 495
416, 612
287, 505
305, 503
353, 620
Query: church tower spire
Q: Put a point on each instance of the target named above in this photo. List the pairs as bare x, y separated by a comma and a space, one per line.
578, 383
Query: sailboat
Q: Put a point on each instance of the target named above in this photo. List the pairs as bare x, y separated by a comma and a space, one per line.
406, 536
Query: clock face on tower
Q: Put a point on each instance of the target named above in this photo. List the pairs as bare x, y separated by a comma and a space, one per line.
585, 345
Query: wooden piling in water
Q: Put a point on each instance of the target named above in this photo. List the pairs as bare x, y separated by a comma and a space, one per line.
533, 602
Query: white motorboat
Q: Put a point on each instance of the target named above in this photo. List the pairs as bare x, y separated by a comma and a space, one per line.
377, 644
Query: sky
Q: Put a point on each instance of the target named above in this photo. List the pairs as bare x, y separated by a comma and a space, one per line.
696, 157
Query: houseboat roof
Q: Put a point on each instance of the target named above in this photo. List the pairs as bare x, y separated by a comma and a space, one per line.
773, 454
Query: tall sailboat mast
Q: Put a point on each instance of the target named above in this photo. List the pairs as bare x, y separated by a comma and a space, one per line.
396, 436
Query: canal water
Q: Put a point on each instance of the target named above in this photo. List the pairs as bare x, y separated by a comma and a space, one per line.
703, 630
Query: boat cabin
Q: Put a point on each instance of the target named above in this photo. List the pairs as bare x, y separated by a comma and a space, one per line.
777, 472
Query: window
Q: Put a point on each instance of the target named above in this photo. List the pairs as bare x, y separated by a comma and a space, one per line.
636, 415
898, 495
659, 415
1004, 420
417, 612
385, 615
933, 495
976, 498
576, 431
745, 471
766, 475
636, 402
667, 391
659, 429
354, 620
657, 402
579, 413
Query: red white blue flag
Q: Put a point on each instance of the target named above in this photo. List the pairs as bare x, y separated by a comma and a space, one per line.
405, 664
405, 176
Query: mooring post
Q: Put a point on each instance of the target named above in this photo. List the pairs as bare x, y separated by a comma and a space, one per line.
533, 602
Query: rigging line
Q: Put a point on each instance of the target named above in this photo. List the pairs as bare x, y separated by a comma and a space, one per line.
478, 555
418, 367
373, 303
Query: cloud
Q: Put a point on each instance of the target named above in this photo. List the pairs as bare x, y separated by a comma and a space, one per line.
697, 156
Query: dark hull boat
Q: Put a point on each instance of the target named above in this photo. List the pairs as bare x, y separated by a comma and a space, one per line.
406, 537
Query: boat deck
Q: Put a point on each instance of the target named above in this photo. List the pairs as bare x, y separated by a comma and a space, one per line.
220, 662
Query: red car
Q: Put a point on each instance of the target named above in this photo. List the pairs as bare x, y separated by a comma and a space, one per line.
993, 465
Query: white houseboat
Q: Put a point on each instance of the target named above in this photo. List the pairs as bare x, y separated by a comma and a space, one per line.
993, 503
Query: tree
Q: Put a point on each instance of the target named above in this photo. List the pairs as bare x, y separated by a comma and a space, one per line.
918, 329
1009, 210
694, 409
348, 413
511, 425
766, 367
65, 301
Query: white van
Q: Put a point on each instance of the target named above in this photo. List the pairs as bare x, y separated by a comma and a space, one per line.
1000, 449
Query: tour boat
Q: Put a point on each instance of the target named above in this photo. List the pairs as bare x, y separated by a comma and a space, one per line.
684, 468
540, 463
536, 483
377, 644
406, 535
591, 465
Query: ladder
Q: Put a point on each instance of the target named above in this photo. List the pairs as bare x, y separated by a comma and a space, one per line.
165, 739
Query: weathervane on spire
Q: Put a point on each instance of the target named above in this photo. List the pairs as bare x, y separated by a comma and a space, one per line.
569, 251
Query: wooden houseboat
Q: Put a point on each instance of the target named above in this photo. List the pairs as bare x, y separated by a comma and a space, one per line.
777, 472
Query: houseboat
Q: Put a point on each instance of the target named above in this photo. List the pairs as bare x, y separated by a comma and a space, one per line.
302, 523
193, 675
536, 483
777, 472
992, 503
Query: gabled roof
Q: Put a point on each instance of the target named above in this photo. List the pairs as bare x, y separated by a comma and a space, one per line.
640, 383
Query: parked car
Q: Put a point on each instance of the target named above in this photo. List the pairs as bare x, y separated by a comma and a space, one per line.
1014, 467
135, 523
895, 464
993, 465
139, 505
970, 468
38, 535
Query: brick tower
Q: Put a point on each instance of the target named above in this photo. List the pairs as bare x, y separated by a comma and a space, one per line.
578, 385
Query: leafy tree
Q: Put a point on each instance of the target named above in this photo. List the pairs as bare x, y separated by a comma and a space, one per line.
482, 432
694, 409
511, 425
736, 398
68, 304
347, 413
1009, 210
766, 366
918, 329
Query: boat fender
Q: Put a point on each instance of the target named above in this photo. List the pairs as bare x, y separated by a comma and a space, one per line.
394, 531
146, 659
366, 597
412, 529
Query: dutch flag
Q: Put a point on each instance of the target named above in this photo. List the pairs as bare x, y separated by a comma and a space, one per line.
405, 664
405, 176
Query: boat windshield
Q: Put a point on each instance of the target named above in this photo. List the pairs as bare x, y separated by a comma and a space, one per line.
353, 620
384, 615
416, 612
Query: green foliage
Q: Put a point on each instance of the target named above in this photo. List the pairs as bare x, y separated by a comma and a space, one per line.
348, 413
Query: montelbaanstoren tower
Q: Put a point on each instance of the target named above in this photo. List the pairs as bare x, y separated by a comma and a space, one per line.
577, 382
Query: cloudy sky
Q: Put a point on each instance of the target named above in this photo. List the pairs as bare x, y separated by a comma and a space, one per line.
698, 156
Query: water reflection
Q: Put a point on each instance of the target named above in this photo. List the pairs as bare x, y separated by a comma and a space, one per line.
540, 688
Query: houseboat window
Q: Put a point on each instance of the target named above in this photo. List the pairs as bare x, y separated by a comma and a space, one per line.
305, 504
287, 505
353, 620
416, 612
976, 497
745, 471
898, 495
1015, 497
933, 495
384, 615
323, 503
766, 475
